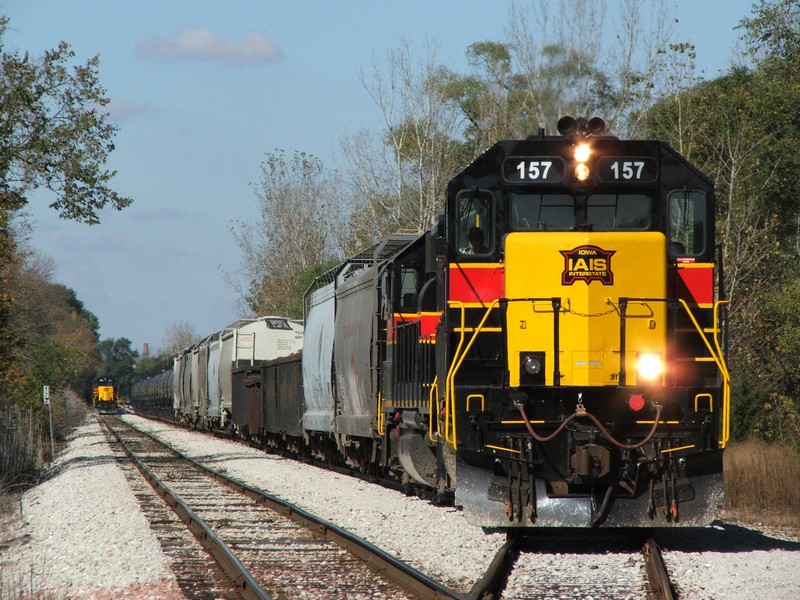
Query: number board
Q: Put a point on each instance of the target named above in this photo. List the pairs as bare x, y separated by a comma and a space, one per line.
625, 169
533, 169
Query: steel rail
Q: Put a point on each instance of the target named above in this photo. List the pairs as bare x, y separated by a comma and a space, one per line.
410, 578
247, 587
660, 584
490, 585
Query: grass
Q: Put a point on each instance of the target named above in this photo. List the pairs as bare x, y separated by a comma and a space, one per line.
762, 483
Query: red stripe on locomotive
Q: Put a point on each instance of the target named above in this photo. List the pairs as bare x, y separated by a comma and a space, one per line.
471, 283
694, 282
428, 322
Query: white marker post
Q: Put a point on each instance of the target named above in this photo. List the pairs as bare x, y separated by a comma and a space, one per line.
46, 399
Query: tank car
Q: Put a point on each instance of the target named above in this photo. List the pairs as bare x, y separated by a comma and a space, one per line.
154, 394
104, 395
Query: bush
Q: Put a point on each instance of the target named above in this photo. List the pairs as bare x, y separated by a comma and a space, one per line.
25, 436
21, 449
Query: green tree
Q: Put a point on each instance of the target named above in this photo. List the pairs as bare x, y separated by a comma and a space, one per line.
498, 100
773, 34
54, 135
298, 227
559, 62
773, 38
56, 337
743, 130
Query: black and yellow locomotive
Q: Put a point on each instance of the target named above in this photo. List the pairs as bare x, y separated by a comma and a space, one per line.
105, 397
565, 327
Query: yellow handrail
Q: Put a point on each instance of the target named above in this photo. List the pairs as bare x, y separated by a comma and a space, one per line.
723, 368
726, 395
381, 420
458, 359
447, 384
433, 411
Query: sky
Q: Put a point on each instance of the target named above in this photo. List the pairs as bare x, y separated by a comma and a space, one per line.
202, 90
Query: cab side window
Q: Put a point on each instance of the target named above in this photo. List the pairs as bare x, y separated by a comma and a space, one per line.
687, 224
475, 228
409, 288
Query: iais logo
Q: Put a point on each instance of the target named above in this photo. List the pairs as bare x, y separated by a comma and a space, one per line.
587, 263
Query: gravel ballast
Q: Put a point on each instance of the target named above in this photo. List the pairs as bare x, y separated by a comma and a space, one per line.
82, 535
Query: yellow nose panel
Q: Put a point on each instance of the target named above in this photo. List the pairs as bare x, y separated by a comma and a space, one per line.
588, 273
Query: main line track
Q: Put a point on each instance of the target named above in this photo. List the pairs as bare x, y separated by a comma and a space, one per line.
515, 573
386, 576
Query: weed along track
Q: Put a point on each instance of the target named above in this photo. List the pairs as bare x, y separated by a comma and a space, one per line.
265, 547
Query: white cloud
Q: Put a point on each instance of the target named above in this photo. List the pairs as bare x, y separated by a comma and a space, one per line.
120, 109
204, 44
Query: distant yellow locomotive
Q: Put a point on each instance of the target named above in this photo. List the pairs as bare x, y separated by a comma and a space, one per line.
104, 395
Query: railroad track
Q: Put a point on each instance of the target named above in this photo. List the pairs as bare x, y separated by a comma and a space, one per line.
261, 546
573, 564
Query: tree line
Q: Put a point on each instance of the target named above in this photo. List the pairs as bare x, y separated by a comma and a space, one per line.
53, 136
742, 129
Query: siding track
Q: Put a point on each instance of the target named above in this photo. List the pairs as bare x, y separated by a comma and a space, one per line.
267, 547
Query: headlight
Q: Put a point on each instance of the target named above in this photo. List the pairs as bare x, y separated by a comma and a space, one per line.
582, 172
531, 368
532, 365
649, 366
582, 153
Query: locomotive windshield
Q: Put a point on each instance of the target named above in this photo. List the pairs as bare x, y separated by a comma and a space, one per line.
563, 212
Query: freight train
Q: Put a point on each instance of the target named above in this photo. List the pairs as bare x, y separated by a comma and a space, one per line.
550, 353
